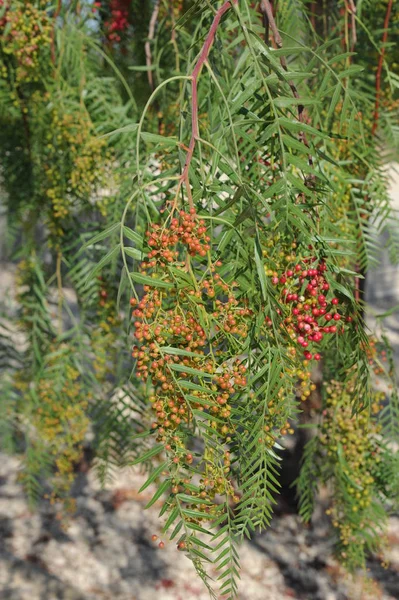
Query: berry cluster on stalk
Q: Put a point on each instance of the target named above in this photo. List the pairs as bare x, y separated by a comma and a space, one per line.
190, 329
309, 309
25, 38
354, 459
308, 313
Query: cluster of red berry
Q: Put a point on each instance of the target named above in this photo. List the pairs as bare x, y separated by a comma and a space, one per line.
118, 21
311, 314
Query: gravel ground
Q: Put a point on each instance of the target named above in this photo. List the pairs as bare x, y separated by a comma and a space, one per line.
106, 552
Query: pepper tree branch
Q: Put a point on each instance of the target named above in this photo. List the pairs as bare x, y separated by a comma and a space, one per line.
379, 69
203, 56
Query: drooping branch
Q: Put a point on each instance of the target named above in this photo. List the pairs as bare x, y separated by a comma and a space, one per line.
203, 56
147, 46
379, 69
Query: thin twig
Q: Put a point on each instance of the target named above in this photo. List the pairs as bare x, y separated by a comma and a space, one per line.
379, 68
267, 8
313, 7
265, 22
60, 292
56, 15
203, 56
351, 9
173, 39
147, 46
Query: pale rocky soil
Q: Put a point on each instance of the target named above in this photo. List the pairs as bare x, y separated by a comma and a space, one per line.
106, 553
